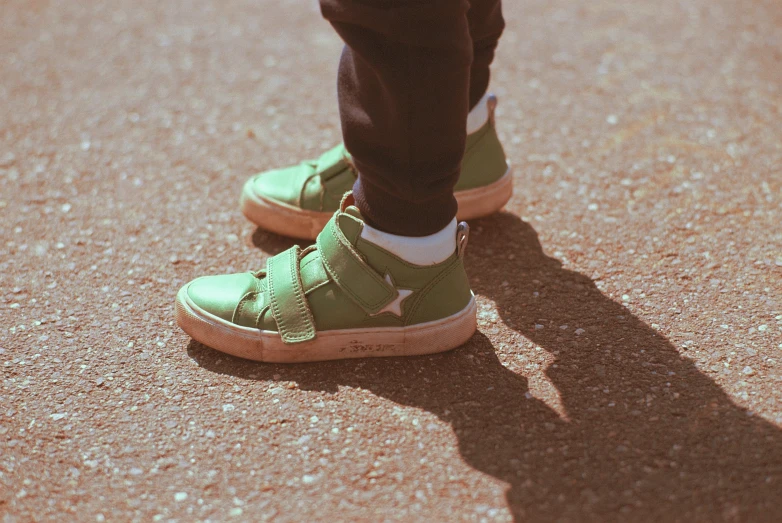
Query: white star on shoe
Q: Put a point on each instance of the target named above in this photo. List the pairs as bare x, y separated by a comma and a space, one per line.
395, 307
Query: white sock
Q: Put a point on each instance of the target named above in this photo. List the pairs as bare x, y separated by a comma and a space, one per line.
478, 116
437, 247
418, 250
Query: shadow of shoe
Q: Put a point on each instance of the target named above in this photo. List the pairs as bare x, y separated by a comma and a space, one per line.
272, 244
646, 436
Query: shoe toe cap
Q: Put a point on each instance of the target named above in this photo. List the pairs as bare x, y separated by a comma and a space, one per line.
220, 295
282, 185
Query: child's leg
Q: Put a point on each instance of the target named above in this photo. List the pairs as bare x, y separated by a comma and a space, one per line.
486, 26
404, 81
406, 75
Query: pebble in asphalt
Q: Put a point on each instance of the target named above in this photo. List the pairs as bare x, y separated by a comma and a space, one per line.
627, 361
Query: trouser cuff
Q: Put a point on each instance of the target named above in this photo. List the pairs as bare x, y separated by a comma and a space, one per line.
389, 213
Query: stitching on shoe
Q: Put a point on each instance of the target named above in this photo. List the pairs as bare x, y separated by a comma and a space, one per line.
311, 260
299, 297
348, 291
261, 313
239, 308
426, 290
281, 326
272, 302
316, 287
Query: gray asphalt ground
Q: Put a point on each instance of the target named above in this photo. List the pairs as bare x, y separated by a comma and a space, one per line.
627, 364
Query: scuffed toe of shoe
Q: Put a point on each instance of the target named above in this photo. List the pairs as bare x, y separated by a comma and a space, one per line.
220, 295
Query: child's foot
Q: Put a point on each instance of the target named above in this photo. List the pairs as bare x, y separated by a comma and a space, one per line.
345, 297
298, 201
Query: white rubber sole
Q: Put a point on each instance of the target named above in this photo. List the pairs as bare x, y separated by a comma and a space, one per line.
254, 344
287, 220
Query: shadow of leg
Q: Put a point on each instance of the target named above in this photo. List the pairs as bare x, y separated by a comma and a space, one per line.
650, 437
647, 436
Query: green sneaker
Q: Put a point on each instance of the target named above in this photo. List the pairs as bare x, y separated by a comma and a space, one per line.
298, 201
341, 298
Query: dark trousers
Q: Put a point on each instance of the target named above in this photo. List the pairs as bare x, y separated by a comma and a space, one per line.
410, 72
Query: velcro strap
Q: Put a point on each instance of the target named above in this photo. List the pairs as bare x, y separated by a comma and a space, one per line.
286, 296
350, 272
332, 162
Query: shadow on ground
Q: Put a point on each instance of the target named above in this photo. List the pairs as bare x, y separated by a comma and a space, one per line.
646, 435
272, 243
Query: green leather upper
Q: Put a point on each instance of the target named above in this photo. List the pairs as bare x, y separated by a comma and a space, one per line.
285, 296
349, 271
343, 282
484, 160
319, 185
